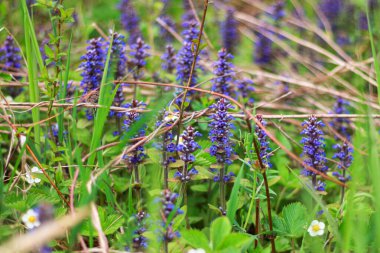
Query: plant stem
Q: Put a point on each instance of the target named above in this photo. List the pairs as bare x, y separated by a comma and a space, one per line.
222, 188
257, 220
343, 190
137, 185
181, 111
184, 194
263, 170
185, 202
269, 212
165, 163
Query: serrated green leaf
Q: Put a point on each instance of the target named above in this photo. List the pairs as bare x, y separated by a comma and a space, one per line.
295, 219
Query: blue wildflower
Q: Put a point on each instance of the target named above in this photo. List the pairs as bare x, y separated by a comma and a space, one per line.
331, 9
139, 241
10, 56
188, 145
245, 88
344, 155
220, 132
313, 149
185, 60
138, 154
230, 34
129, 20
189, 14
187, 176
363, 22
11, 59
227, 178
164, 33
277, 11
186, 148
119, 60
191, 30
169, 59
341, 125
168, 200
262, 50
139, 54
93, 66
264, 143
223, 70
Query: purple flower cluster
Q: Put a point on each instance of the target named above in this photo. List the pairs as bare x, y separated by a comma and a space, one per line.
186, 176
223, 70
331, 9
11, 59
263, 50
344, 155
168, 200
184, 62
229, 30
264, 143
186, 148
119, 60
189, 14
139, 54
277, 11
137, 155
220, 132
164, 33
129, 20
139, 241
363, 22
245, 88
92, 65
341, 125
44, 42
313, 150
188, 145
169, 147
10, 55
191, 30
169, 59
226, 178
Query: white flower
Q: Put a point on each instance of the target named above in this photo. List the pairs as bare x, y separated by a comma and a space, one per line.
31, 178
196, 251
22, 139
316, 228
30, 219
170, 118
8, 99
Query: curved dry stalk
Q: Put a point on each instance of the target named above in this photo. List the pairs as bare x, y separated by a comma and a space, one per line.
103, 242
47, 232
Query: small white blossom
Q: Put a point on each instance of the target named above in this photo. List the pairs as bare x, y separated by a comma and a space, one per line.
196, 251
30, 175
316, 228
170, 118
31, 219
22, 139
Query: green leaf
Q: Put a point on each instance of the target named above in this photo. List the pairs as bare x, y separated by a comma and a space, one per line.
233, 202
112, 223
295, 218
235, 240
49, 53
220, 228
196, 239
